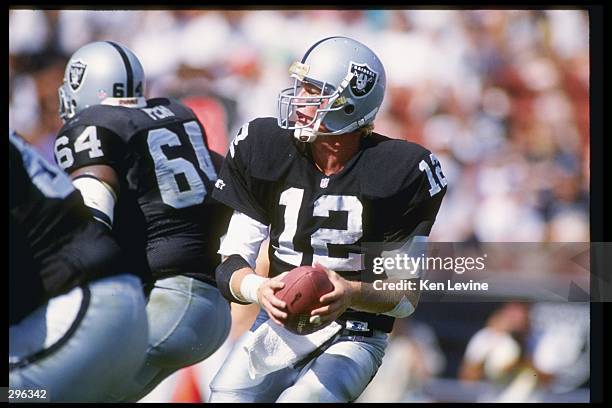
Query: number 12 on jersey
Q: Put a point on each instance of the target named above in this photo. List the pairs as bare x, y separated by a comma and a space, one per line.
434, 187
292, 200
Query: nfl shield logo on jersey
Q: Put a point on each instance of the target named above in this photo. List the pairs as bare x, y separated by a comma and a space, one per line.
324, 182
77, 70
364, 79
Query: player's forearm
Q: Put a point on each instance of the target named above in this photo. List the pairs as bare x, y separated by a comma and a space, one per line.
239, 248
366, 298
233, 276
237, 281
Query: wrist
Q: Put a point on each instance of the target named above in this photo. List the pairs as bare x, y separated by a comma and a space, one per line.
228, 276
353, 292
249, 287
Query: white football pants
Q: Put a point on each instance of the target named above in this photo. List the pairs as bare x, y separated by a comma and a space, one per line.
82, 346
339, 374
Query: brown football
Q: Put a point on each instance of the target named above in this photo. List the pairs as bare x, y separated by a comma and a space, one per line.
304, 286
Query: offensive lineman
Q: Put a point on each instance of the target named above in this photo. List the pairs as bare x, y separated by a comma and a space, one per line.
70, 291
145, 171
320, 184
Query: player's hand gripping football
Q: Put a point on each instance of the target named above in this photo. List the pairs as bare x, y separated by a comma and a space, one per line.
275, 307
335, 302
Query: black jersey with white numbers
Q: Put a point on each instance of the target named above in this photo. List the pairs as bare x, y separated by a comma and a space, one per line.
54, 242
164, 211
388, 192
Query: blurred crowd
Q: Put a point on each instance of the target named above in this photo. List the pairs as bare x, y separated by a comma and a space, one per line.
529, 351
523, 353
500, 96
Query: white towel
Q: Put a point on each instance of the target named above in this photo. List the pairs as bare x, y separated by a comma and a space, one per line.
272, 347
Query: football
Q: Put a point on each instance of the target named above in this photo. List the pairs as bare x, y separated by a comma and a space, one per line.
304, 286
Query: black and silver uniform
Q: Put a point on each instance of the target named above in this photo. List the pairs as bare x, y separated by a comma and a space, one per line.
389, 191
55, 244
165, 214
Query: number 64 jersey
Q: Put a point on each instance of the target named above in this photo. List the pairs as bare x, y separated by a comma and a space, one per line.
165, 216
389, 191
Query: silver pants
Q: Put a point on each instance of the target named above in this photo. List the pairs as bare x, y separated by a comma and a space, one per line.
82, 346
339, 374
188, 321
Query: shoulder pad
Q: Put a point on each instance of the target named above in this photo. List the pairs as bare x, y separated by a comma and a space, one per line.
265, 149
127, 121
114, 118
391, 165
181, 110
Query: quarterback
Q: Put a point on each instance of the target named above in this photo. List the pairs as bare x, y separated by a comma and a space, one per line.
144, 170
320, 183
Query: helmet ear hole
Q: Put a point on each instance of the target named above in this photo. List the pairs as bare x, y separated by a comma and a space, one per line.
348, 109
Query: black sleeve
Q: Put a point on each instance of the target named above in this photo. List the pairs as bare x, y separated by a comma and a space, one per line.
26, 291
18, 178
416, 206
236, 187
81, 146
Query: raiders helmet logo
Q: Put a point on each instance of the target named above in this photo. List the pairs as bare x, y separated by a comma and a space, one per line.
364, 79
76, 73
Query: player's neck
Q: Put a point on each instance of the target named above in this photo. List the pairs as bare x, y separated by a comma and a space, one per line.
331, 153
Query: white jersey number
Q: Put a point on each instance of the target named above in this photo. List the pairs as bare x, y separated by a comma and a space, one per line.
167, 169
292, 200
434, 187
87, 141
242, 134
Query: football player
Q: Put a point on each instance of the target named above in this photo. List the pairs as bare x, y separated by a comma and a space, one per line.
145, 171
321, 184
70, 292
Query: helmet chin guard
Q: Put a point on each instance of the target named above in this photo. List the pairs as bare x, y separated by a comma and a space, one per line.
306, 135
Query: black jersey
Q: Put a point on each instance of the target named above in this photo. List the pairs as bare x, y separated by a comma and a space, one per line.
389, 191
55, 244
164, 211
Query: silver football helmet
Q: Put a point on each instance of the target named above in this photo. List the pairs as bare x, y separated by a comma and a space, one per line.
101, 72
351, 80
